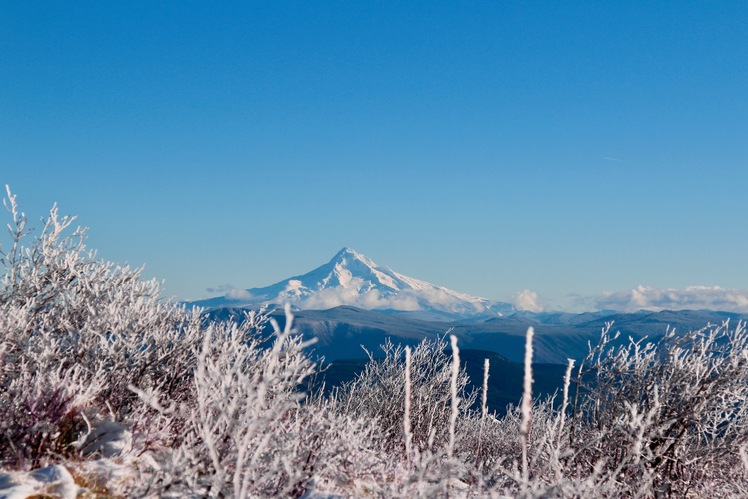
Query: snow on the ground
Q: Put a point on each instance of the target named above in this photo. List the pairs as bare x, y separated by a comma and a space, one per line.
54, 481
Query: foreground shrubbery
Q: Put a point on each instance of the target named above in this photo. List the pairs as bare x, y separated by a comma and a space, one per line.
134, 396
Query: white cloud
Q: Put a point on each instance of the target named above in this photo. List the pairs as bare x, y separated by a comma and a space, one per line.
443, 299
689, 298
360, 293
230, 292
238, 294
352, 295
528, 300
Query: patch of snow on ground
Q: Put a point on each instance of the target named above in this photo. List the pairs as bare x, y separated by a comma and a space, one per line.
55, 481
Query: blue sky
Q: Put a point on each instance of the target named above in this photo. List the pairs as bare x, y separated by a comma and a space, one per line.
568, 148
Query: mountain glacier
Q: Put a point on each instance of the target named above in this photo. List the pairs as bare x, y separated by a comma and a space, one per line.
352, 279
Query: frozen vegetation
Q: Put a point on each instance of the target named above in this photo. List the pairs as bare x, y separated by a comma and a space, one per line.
108, 390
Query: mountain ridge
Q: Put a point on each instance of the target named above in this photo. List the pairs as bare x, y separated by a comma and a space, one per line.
341, 332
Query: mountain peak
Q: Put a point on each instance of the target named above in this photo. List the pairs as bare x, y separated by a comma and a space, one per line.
350, 278
347, 257
345, 252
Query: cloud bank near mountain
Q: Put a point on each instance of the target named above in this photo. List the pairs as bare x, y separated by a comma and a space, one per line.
353, 279
689, 298
358, 293
372, 299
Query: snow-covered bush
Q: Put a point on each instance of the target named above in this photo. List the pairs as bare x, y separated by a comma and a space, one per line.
243, 430
94, 364
671, 415
107, 388
74, 333
378, 393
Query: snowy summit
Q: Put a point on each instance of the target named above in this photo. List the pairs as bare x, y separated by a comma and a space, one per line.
353, 279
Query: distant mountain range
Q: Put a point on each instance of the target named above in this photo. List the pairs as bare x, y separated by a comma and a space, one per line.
351, 302
352, 279
345, 335
344, 332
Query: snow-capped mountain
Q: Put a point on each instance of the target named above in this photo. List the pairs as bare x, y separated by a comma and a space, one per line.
351, 278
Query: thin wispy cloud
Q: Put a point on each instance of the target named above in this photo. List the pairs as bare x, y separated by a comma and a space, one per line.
221, 288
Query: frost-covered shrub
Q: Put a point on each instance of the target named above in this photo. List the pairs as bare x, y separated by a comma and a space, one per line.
246, 430
74, 333
671, 414
379, 393
104, 383
93, 364
39, 423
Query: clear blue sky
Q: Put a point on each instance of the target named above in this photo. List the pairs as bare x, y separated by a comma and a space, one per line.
490, 147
